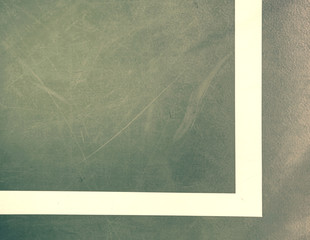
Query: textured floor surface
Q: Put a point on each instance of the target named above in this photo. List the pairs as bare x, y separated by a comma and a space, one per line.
117, 95
286, 54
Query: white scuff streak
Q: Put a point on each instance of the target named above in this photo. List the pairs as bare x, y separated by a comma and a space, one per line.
195, 100
51, 92
135, 118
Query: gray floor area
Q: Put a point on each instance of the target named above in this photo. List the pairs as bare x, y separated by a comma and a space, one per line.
286, 157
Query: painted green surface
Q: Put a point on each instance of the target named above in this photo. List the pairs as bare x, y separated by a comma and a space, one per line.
285, 158
117, 95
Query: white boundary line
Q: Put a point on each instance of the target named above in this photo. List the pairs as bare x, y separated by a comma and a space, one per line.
247, 201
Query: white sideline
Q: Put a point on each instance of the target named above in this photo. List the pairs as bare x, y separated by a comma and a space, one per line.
246, 202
